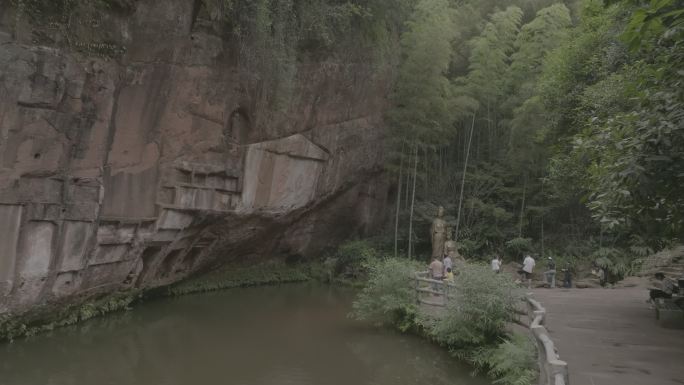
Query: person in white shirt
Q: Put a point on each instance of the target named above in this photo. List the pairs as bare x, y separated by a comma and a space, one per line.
496, 265
528, 267
448, 263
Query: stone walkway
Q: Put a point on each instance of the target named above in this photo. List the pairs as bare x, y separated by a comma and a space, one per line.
610, 337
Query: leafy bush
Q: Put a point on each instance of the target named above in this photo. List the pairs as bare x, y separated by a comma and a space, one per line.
617, 263
231, 276
469, 247
512, 362
474, 326
389, 297
516, 247
351, 257
51, 317
481, 305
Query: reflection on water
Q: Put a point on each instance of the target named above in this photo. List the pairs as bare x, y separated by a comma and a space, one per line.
287, 335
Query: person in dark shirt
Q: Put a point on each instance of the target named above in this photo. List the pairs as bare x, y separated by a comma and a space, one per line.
550, 273
567, 277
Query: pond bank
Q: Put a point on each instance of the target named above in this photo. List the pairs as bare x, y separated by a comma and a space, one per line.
49, 317
288, 334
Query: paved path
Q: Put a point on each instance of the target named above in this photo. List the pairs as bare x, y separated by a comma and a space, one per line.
610, 337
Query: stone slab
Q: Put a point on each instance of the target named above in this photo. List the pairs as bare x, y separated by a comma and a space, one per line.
174, 220
75, 239
10, 224
282, 174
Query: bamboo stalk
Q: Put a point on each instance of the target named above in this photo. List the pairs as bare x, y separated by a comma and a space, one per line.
465, 168
413, 200
522, 208
396, 219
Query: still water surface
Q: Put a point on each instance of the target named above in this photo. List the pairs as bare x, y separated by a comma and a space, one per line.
286, 335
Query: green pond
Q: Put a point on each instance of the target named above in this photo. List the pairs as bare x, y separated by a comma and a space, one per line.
281, 335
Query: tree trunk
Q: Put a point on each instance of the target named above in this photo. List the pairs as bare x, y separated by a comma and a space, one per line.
408, 180
469, 220
465, 168
396, 219
522, 208
413, 200
542, 220
427, 179
489, 134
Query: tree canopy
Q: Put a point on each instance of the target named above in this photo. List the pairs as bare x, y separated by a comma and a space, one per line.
567, 119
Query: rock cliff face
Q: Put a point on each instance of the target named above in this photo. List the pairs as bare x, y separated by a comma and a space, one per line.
138, 170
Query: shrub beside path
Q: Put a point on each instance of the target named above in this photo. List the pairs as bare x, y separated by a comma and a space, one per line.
610, 337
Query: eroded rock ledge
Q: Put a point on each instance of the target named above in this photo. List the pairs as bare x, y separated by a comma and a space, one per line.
140, 171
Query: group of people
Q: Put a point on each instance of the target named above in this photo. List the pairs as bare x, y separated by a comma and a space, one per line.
527, 268
528, 265
442, 270
444, 249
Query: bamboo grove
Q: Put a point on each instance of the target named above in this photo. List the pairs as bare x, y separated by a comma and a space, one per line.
545, 126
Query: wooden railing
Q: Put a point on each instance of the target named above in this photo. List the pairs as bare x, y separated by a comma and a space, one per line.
430, 291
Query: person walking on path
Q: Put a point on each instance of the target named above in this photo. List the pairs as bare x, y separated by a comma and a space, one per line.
528, 267
496, 264
550, 273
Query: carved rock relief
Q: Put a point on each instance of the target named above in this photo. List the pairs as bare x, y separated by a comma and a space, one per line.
140, 172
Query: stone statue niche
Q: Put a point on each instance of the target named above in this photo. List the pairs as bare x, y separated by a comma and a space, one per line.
438, 234
235, 136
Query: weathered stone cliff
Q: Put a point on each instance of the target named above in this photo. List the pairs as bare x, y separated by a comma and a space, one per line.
139, 169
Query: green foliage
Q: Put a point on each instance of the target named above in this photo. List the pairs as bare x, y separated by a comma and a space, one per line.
618, 263
490, 56
474, 327
623, 114
653, 20
637, 177
482, 304
388, 297
511, 362
351, 258
516, 247
356, 250
77, 25
40, 321
422, 103
231, 276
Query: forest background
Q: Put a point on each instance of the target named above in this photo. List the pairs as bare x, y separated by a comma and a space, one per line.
546, 127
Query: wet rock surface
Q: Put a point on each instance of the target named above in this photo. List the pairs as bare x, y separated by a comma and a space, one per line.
139, 170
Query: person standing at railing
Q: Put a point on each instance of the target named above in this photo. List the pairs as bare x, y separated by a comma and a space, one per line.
436, 269
436, 273
448, 264
449, 276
